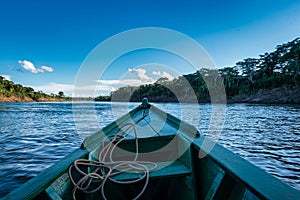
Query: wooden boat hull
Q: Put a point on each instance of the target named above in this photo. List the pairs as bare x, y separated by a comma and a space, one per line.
189, 166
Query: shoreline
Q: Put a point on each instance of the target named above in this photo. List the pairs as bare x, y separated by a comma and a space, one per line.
274, 96
228, 102
14, 99
282, 96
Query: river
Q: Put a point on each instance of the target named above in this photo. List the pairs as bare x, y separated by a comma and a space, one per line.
34, 135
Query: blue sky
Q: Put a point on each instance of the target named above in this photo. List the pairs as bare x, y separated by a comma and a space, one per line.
43, 43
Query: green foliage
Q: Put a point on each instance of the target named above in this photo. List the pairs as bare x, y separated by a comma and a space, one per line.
103, 98
280, 68
9, 88
61, 94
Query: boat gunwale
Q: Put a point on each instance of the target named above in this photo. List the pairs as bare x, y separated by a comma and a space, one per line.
94, 141
256, 180
44, 179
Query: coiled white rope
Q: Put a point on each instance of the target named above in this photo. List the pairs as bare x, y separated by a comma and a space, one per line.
106, 170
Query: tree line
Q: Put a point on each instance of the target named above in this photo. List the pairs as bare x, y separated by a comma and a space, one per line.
9, 89
280, 68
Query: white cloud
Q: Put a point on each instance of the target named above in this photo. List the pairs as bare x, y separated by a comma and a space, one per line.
141, 74
91, 90
29, 66
75, 91
163, 75
54, 88
140, 79
120, 83
46, 68
6, 77
102, 87
108, 82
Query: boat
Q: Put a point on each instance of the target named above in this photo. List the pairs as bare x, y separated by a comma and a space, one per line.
150, 154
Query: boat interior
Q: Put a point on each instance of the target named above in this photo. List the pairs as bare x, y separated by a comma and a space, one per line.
182, 171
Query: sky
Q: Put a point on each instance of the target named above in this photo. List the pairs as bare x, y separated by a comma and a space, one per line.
44, 44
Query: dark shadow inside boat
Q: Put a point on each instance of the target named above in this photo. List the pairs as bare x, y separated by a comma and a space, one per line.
171, 180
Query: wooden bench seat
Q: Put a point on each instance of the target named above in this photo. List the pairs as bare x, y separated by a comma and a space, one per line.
165, 170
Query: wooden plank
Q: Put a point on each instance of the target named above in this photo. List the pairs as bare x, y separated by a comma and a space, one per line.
36, 185
159, 124
215, 185
259, 182
153, 125
167, 170
95, 140
154, 149
186, 128
52, 193
226, 186
207, 175
248, 195
238, 192
61, 186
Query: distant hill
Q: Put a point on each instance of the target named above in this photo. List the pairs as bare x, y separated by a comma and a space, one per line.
271, 78
11, 92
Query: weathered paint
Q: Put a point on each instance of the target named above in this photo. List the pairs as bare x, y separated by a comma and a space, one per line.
254, 179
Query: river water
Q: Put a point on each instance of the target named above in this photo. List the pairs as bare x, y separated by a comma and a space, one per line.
35, 135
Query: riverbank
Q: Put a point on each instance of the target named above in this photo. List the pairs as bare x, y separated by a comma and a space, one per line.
280, 95
28, 99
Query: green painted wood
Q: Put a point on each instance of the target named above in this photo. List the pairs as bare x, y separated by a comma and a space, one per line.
238, 192
172, 122
248, 195
257, 181
52, 194
36, 185
62, 186
158, 123
207, 174
147, 149
215, 185
152, 125
183, 147
185, 158
168, 169
188, 129
225, 188
95, 140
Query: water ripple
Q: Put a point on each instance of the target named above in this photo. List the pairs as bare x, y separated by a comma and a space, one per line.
33, 136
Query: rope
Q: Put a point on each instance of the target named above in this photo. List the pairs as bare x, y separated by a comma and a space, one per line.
106, 168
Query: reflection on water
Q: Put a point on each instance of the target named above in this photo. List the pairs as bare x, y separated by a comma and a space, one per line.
35, 135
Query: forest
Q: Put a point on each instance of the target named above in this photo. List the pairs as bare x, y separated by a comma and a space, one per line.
9, 91
271, 78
